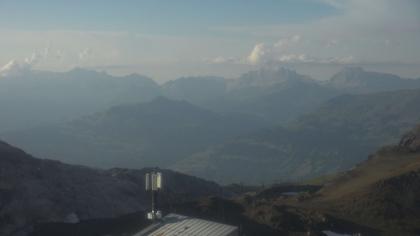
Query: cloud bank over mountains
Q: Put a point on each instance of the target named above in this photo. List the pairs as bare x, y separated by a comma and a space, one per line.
15, 68
374, 32
357, 32
278, 53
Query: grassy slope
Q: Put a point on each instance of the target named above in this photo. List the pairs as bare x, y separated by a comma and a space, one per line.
382, 192
378, 197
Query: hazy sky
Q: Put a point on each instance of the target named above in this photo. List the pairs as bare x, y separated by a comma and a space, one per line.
166, 39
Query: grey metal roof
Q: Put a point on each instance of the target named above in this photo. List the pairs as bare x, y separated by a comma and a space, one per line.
175, 225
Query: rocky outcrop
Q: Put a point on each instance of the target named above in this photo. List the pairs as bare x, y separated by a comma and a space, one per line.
411, 140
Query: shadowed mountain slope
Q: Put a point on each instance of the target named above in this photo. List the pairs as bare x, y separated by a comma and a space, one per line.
157, 133
34, 190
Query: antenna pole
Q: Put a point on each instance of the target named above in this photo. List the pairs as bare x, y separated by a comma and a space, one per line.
153, 201
153, 184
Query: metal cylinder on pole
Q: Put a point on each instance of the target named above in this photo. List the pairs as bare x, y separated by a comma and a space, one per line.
153, 183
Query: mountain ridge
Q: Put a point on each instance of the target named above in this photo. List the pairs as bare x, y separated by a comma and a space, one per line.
357, 80
158, 132
335, 137
35, 191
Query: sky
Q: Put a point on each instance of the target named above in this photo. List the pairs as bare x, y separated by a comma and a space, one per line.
166, 39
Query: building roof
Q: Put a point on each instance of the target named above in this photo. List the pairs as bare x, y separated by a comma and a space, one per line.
175, 225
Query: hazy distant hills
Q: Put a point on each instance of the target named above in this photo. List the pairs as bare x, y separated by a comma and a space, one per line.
278, 95
209, 126
34, 191
157, 133
378, 117
267, 77
336, 136
196, 90
38, 98
357, 80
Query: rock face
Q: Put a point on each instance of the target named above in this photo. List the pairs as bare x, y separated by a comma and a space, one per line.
411, 141
34, 191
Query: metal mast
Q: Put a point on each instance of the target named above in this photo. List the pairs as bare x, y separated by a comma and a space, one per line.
153, 183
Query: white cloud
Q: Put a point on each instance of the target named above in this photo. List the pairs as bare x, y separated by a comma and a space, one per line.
287, 50
59, 55
359, 31
222, 60
331, 43
293, 58
263, 53
371, 31
303, 58
341, 60
285, 43
16, 68
12, 68
32, 60
258, 54
85, 54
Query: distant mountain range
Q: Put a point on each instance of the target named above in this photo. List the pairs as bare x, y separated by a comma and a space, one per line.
277, 95
196, 90
335, 137
280, 95
40, 98
34, 191
357, 80
156, 133
209, 126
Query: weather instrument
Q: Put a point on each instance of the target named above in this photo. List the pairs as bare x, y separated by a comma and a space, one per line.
153, 184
